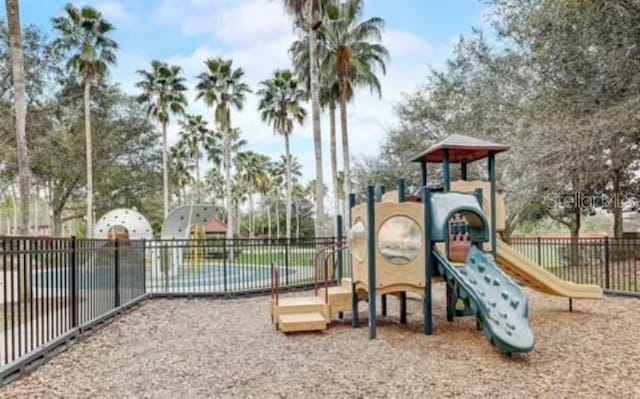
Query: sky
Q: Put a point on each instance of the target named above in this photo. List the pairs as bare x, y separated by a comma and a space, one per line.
256, 34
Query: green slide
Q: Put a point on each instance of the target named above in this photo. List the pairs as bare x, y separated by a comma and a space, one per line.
500, 305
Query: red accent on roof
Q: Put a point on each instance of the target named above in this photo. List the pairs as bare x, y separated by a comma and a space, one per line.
460, 148
215, 226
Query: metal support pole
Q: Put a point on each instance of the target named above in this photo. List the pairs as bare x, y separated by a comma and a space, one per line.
355, 322
429, 265
423, 174
383, 299
402, 196
116, 295
570, 304
74, 281
352, 203
339, 245
463, 170
371, 245
446, 173
492, 180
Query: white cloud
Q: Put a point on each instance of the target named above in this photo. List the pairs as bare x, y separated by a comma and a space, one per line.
256, 34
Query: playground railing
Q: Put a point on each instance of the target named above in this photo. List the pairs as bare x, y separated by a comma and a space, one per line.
612, 263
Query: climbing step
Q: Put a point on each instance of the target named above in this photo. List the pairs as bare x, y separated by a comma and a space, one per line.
296, 305
339, 299
297, 322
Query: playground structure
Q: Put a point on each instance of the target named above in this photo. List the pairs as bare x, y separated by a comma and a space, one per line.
404, 244
185, 222
136, 225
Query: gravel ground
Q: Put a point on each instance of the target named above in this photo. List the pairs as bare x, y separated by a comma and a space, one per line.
203, 349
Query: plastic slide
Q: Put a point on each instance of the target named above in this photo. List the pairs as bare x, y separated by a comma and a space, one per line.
500, 304
531, 274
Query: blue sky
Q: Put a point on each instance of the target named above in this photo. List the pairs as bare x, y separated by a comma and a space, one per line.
256, 34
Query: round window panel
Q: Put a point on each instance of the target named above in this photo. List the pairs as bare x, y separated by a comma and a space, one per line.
400, 240
357, 236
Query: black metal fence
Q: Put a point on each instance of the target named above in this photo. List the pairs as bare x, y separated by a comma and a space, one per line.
229, 267
52, 288
609, 262
55, 289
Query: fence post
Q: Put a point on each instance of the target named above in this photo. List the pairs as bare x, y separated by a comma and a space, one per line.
74, 288
607, 262
224, 264
144, 266
539, 241
339, 224
116, 295
286, 261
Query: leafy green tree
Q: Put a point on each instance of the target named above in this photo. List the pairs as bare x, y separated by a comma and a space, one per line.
280, 106
222, 88
163, 93
84, 34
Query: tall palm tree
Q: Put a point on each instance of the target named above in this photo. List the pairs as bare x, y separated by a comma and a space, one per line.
180, 170
280, 106
214, 183
163, 93
277, 172
251, 170
84, 33
17, 69
196, 137
353, 53
222, 88
311, 24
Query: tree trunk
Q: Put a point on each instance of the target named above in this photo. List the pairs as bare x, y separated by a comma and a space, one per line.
251, 214
14, 201
165, 171
617, 204
575, 236
269, 221
227, 181
334, 164
297, 223
89, 160
17, 69
57, 223
36, 211
345, 150
277, 220
314, 15
288, 177
198, 192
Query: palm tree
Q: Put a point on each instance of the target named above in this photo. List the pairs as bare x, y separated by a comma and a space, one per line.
17, 69
277, 172
85, 34
222, 88
195, 136
251, 171
311, 26
180, 171
215, 183
353, 54
163, 93
280, 107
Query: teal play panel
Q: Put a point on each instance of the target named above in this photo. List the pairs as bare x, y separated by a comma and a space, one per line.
500, 304
445, 205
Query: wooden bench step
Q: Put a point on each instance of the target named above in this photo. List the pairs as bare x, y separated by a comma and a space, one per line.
302, 322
